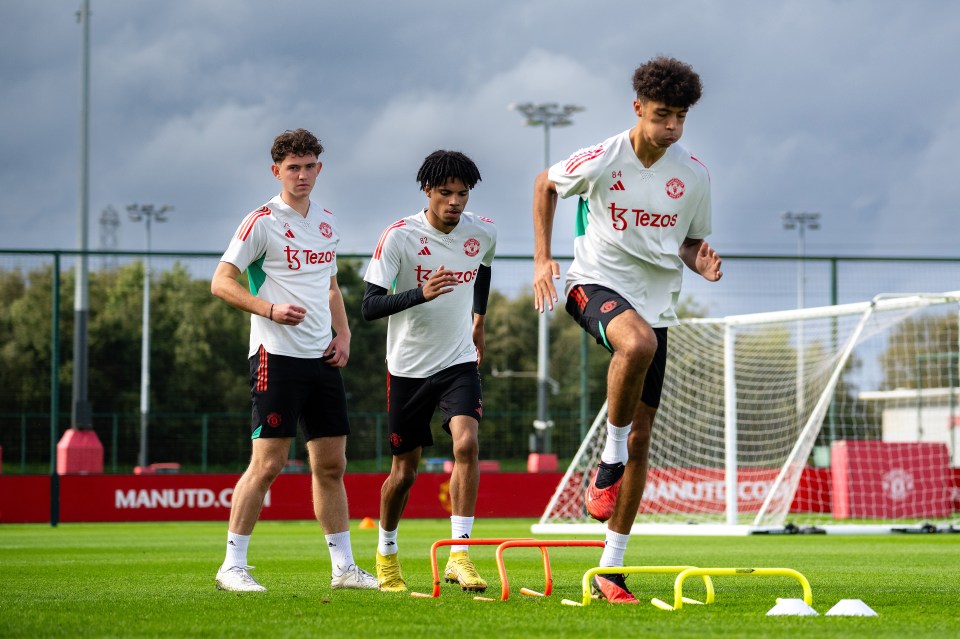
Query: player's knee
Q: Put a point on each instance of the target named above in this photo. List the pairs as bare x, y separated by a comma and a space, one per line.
265, 470
639, 348
331, 469
404, 476
466, 451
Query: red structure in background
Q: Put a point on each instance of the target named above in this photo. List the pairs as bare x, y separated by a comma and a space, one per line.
888, 480
79, 451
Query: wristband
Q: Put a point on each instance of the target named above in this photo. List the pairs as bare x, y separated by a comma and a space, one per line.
271, 312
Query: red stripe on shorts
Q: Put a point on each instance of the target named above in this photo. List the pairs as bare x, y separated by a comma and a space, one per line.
262, 370
388, 391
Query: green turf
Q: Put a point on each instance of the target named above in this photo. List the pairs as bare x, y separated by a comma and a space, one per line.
156, 580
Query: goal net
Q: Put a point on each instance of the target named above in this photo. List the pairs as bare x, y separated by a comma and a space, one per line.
843, 414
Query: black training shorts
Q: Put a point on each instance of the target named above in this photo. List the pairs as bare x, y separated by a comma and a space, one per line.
594, 306
291, 391
411, 403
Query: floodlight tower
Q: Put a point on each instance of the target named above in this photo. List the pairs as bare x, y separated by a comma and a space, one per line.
147, 213
109, 222
547, 115
801, 222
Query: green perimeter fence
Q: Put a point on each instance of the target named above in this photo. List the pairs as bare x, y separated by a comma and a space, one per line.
198, 413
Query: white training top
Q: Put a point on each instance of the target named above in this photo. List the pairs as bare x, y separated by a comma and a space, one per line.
289, 259
437, 334
631, 221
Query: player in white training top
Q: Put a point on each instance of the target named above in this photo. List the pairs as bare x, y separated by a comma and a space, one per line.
430, 273
643, 212
299, 341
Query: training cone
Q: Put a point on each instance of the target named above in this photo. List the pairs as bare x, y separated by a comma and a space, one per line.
851, 608
794, 607
367, 522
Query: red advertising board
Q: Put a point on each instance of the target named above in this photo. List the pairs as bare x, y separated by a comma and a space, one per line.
703, 490
26, 499
88, 498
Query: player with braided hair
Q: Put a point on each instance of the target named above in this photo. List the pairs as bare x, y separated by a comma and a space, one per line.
430, 274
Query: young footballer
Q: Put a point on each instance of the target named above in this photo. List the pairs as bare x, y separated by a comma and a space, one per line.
643, 212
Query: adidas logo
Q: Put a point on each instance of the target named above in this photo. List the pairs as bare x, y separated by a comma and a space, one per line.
330, 544
425, 251
618, 186
390, 543
230, 543
289, 234
464, 536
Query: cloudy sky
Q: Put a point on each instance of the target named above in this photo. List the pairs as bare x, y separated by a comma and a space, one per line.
849, 108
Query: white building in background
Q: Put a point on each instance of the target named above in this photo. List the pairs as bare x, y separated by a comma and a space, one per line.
927, 415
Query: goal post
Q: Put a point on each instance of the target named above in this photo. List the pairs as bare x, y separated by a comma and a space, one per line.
771, 416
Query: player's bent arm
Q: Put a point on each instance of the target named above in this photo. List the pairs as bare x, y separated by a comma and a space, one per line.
481, 290
224, 285
377, 302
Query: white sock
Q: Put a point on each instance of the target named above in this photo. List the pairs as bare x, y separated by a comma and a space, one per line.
387, 542
460, 528
615, 449
341, 553
614, 548
236, 550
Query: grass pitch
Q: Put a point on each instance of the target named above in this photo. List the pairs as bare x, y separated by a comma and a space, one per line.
157, 580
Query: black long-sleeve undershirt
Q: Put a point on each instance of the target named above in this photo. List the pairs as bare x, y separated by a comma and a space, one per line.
377, 302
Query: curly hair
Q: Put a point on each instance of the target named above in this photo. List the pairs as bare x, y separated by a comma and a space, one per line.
440, 166
296, 142
669, 81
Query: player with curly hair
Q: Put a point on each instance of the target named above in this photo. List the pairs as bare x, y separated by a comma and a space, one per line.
643, 213
299, 341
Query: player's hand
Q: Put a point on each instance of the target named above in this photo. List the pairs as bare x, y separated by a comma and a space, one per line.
337, 352
289, 314
708, 263
441, 281
544, 291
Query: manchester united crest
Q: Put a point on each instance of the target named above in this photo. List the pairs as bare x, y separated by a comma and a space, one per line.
675, 188
471, 247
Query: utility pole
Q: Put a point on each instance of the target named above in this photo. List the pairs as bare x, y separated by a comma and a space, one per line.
81, 414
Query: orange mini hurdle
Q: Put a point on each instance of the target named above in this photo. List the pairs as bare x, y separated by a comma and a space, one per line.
542, 545
471, 542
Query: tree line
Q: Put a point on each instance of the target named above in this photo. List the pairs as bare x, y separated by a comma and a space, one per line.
199, 351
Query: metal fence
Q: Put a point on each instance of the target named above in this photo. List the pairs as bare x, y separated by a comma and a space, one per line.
216, 439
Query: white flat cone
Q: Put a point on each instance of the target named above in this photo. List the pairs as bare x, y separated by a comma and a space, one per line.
795, 607
851, 608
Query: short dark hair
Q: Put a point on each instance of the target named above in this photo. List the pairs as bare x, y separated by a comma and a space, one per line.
441, 165
295, 142
667, 80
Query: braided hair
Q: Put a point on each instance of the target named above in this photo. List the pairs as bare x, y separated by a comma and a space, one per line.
440, 166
